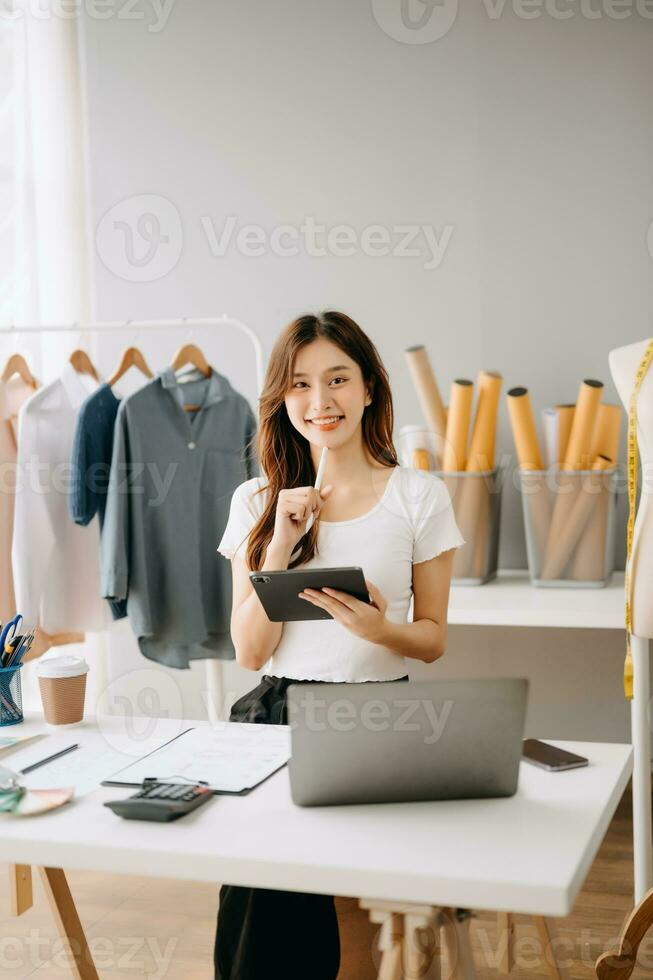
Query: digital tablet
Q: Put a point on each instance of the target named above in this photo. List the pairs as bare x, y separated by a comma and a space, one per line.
278, 591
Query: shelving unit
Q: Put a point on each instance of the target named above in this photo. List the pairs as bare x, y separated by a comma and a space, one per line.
512, 601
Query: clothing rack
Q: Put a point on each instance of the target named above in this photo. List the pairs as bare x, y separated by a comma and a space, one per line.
214, 668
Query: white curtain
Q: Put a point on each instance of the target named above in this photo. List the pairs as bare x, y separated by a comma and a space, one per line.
44, 216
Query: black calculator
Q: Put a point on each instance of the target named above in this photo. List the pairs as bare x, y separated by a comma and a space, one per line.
161, 801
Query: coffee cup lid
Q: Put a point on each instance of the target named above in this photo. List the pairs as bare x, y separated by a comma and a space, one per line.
66, 666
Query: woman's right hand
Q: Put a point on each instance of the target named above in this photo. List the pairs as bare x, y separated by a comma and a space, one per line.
293, 510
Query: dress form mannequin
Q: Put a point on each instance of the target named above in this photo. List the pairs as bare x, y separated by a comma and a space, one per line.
624, 363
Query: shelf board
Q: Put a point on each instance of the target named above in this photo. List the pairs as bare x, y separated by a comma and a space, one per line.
511, 600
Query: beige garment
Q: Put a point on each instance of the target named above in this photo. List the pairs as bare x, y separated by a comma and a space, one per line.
13, 393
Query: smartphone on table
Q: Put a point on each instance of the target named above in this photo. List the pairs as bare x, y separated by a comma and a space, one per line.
549, 757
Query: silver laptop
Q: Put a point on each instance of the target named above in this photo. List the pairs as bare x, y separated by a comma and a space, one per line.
400, 741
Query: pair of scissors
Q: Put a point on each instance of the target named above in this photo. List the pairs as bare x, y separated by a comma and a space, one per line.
9, 631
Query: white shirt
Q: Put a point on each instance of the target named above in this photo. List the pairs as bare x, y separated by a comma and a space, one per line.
412, 522
56, 563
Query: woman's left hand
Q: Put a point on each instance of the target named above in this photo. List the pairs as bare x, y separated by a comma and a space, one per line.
363, 619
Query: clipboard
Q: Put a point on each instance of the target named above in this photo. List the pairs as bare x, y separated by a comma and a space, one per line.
235, 756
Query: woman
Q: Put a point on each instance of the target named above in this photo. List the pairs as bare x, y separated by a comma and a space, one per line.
326, 386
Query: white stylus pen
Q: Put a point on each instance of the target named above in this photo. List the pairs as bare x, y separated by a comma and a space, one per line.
318, 483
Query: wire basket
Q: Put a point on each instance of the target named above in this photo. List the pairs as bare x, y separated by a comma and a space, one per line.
569, 520
11, 696
476, 501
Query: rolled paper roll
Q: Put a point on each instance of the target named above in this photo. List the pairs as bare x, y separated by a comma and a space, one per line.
607, 431
480, 560
473, 492
537, 508
427, 392
577, 456
483, 440
464, 501
523, 429
579, 449
589, 560
586, 500
565, 415
549, 437
458, 418
588, 563
420, 459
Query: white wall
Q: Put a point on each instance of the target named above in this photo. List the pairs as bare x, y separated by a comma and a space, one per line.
530, 139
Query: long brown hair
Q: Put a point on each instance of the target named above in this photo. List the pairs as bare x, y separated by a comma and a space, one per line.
282, 451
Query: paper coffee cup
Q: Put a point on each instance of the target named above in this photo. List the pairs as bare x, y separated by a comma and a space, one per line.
62, 681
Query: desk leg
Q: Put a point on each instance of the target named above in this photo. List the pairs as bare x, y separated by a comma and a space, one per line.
548, 933
641, 739
506, 941
68, 924
456, 932
20, 888
410, 941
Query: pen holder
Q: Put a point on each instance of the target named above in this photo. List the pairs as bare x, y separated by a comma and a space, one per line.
476, 500
569, 521
11, 696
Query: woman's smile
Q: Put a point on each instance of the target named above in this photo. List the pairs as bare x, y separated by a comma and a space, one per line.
327, 422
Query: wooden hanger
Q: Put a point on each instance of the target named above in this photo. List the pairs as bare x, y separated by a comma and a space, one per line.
131, 357
191, 354
17, 364
83, 363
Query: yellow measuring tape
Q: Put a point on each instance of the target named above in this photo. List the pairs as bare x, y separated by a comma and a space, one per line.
632, 495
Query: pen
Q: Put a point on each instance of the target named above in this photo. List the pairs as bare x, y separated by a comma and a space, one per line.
318, 483
42, 762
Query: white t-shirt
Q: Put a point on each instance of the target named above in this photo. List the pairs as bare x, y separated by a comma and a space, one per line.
412, 522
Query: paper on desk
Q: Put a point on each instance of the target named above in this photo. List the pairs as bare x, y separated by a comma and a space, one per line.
229, 757
84, 768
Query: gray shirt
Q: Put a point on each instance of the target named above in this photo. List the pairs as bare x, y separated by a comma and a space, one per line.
173, 473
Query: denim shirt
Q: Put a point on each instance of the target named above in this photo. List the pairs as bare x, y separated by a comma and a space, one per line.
90, 464
172, 477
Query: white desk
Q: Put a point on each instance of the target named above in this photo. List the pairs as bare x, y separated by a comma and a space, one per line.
529, 853
511, 600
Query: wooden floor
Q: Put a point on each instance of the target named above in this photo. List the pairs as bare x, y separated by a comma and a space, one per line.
164, 929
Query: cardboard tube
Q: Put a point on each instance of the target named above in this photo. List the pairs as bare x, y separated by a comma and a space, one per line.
584, 503
523, 429
565, 415
420, 459
607, 431
589, 560
473, 513
458, 418
577, 457
482, 545
529, 458
537, 507
588, 563
427, 392
483, 440
578, 453
465, 503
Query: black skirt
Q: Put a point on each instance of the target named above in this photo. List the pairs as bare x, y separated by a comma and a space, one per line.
265, 932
